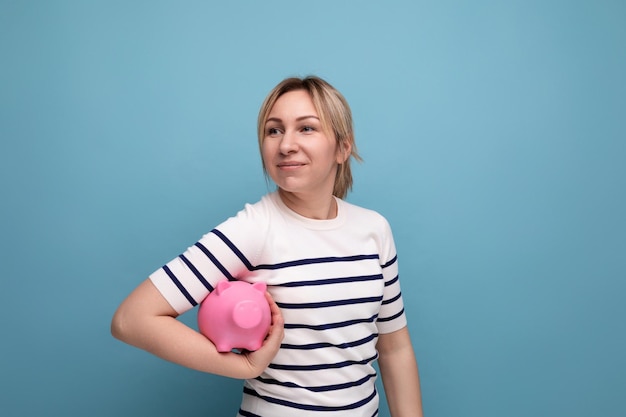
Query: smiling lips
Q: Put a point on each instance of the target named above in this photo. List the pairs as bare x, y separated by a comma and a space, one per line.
290, 165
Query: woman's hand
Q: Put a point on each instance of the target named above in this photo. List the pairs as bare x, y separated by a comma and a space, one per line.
146, 320
260, 359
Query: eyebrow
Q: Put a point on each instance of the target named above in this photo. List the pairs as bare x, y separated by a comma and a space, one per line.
298, 119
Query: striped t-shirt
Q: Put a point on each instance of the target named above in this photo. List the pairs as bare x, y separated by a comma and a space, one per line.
336, 283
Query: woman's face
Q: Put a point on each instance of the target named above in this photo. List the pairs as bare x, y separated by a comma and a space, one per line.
298, 155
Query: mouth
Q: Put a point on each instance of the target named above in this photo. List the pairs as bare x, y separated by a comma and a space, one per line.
290, 165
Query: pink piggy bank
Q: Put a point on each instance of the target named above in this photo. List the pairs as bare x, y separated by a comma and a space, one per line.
236, 315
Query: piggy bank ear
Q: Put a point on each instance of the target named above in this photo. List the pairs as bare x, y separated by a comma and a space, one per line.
260, 286
222, 286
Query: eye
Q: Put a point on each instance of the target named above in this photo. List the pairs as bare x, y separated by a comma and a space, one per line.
308, 129
273, 131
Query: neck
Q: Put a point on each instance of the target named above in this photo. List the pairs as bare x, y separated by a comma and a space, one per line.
318, 208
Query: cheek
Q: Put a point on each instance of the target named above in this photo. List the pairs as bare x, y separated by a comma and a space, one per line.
265, 154
336, 155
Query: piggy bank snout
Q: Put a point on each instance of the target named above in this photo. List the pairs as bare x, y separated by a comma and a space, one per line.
247, 314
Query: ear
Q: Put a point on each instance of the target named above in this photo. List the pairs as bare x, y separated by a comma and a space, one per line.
222, 286
344, 150
260, 287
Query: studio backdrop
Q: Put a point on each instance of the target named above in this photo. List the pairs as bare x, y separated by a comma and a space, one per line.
494, 141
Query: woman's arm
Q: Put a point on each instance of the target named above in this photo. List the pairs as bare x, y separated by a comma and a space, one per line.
398, 369
146, 320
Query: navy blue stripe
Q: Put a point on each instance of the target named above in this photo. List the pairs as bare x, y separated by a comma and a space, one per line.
245, 413
391, 281
232, 247
346, 345
332, 281
251, 267
322, 366
292, 404
179, 285
382, 319
392, 299
322, 388
215, 261
333, 303
395, 258
330, 325
196, 273
310, 261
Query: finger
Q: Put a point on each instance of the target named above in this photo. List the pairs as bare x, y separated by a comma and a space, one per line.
277, 316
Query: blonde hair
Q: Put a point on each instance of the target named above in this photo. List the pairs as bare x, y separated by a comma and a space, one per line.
335, 116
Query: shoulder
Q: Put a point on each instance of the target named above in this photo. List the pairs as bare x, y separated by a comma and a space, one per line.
261, 208
252, 216
362, 214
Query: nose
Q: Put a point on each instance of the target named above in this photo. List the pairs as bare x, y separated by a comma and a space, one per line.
288, 143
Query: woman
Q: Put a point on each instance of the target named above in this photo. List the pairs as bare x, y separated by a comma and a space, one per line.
330, 267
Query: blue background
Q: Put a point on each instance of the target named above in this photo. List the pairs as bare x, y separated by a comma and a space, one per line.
494, 140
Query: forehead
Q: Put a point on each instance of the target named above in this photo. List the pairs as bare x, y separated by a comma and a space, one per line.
295, 103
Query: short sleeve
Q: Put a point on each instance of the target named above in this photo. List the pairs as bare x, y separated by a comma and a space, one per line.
226, 252
392, 316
